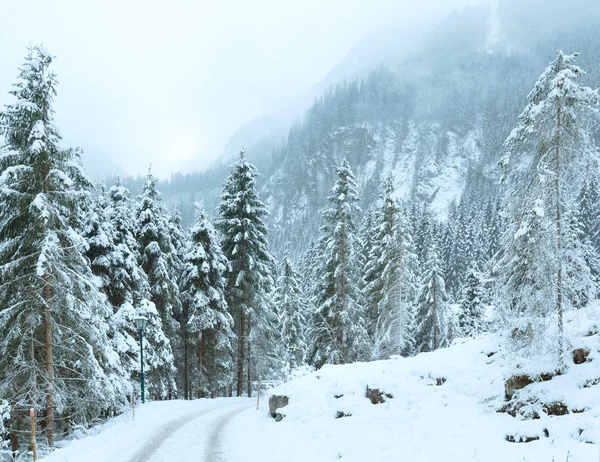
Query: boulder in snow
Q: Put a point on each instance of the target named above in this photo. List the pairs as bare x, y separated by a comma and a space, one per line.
276, 402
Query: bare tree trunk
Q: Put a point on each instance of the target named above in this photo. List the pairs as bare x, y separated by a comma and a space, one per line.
186, 380
248, 358
241, 351
559, 291
47, 295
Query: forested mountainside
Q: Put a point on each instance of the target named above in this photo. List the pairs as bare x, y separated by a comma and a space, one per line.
435, 119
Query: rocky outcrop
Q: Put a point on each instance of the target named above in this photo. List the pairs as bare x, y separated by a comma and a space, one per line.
277, 402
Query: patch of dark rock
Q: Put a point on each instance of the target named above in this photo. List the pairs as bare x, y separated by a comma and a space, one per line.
580, 355
546, 433
279, 417
578, 411
556, 408
491, 353
515, 383
338, 396
521, 409
521, 439
341, 414
276, 402
440, 381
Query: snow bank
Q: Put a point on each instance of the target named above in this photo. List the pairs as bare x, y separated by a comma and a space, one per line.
444, 407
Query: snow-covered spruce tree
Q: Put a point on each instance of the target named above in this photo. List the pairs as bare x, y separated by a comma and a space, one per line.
178, 239
547, 153
291, 307
128, 291
338, 327
432, 313
54, 351
392, 284
158, 258
249, 279
206, 325
588, 221
470, 318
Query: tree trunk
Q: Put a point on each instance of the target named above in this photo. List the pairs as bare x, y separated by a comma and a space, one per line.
186, 382
241, 352
248, 358
340, 338
559, 292
47, 295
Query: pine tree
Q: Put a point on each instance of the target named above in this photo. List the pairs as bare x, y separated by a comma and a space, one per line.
249, 278
547, 152
391, 282
206, 325
158, 258
471, 314
432, 312
128, 291
339, 331
291, 306
53, 318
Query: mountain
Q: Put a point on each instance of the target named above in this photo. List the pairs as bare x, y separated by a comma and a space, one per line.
435, 113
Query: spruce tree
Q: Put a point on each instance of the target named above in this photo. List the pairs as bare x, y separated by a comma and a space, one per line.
432, 312
158, 257
291, 307
249, 274
339, 330
53, 317
206, 325
128, 291
470, 318
391, 283
547, 152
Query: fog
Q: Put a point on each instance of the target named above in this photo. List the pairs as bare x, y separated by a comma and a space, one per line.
167, 83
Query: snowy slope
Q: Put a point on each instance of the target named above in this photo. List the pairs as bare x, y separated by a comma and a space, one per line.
444, 408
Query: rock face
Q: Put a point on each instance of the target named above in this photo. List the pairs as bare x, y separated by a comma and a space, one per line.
515, 383
580, 355
277, 402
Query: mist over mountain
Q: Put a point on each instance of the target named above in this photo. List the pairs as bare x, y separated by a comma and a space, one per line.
434, 109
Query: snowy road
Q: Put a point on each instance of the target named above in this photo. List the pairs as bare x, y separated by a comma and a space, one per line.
186, 438
160, 432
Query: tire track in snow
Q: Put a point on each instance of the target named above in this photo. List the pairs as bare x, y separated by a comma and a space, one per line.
167, 431
212, 452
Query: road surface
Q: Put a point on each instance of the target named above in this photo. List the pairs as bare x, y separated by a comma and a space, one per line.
182, 431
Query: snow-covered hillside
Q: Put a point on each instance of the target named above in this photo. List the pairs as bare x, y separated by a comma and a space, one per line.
441, 406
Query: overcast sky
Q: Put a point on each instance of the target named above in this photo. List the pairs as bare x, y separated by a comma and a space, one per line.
168, 82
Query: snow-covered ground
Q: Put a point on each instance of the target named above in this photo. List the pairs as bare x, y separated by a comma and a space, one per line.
444, 407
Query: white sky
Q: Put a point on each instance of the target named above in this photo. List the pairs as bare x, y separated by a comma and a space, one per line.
167, 82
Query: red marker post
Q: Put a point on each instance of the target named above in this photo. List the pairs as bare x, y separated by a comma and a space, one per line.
33, 443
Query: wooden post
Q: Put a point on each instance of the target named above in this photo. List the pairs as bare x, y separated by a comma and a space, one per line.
33, 442
258, 394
